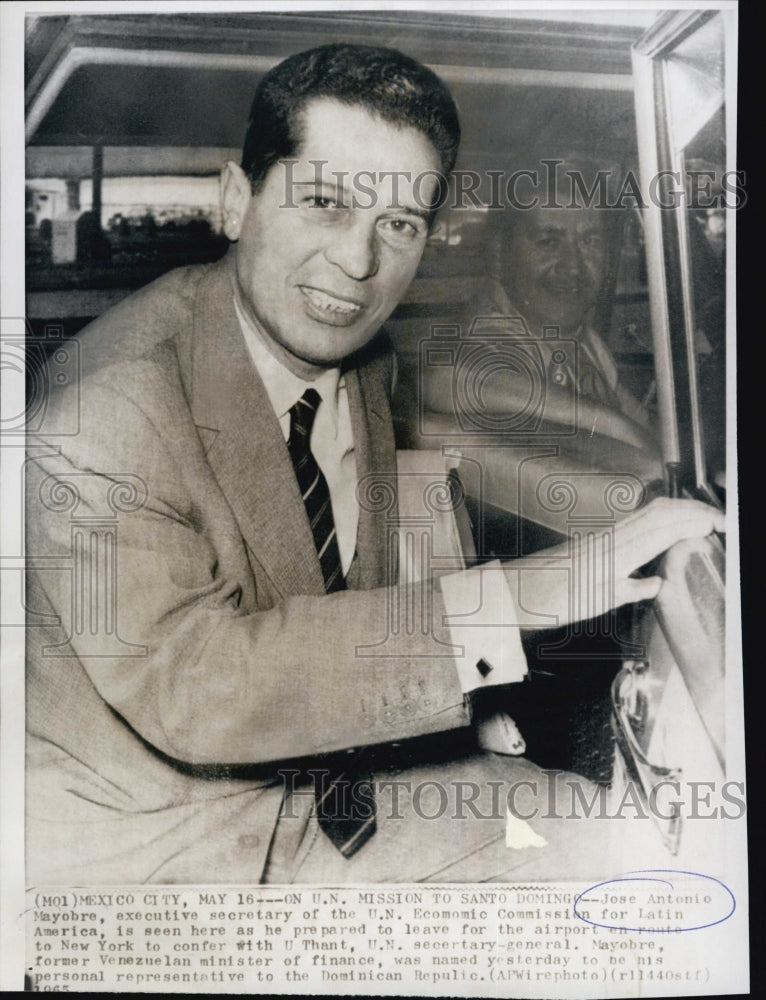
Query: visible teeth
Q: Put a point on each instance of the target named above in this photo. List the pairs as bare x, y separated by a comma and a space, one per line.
324, 301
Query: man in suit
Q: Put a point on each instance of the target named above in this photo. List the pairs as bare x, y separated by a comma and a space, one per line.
202, 641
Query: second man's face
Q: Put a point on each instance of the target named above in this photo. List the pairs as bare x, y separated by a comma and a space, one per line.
556, 264
331, 241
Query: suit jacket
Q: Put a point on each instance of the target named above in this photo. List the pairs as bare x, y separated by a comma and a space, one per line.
180, 642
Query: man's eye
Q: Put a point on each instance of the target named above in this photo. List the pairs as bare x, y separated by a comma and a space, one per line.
317, 201
403, 228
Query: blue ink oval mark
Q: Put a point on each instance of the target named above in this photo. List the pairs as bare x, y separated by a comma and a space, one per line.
639, 901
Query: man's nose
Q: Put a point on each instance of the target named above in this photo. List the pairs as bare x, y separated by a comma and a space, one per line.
569, 259
355, 249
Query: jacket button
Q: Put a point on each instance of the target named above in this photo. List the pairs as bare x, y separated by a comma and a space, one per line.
249, 840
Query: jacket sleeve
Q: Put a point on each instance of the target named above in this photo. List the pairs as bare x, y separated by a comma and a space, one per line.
194, 660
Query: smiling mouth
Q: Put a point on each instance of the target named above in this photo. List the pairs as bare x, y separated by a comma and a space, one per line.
330, 305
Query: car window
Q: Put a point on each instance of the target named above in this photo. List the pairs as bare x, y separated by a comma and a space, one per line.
681, 70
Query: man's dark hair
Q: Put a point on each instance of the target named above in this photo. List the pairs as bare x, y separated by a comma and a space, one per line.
385, 82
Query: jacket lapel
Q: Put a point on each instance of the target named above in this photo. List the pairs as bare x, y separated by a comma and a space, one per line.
246, 449
243, 440
375, 464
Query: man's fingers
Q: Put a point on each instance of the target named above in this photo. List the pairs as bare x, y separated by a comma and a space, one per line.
641, 589
692, 517
659, 526
600, 582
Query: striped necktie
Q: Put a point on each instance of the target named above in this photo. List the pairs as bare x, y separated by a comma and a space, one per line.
314, 489
344, 799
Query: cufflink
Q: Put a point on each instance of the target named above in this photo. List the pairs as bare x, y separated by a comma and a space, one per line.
483, 667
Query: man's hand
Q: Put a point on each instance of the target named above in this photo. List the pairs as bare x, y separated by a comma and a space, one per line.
591, 573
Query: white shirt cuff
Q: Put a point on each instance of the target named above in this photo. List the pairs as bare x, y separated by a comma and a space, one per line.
483, 625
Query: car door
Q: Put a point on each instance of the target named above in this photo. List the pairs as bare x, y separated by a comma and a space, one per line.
676, 703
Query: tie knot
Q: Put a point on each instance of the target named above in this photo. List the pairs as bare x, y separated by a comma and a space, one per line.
303, 412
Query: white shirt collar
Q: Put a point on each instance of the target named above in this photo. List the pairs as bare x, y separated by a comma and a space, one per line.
283, 387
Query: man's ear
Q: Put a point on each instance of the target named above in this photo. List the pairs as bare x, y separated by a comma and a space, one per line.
235, 198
